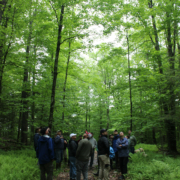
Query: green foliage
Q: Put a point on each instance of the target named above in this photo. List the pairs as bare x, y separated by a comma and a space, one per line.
19, 165
155, 166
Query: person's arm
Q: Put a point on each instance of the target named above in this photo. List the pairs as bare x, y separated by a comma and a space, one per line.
118, 145
125, 145
51, 149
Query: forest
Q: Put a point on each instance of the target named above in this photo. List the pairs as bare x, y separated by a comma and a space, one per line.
74, 65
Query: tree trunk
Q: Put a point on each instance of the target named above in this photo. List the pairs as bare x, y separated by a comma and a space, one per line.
170, 122
55, 73
65, 82
130, 89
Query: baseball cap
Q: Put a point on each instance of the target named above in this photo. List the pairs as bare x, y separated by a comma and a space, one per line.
72, 134
103, 130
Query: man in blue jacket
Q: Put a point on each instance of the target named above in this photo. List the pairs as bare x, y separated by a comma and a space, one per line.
123, 153
59, 148
116, 136
45, 154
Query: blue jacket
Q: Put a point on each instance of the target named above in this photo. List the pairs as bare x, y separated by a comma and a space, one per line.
111, 153
36, 137
45, 149
123, 150
114, 143
58, 143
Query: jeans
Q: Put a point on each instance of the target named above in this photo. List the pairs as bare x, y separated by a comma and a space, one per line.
72, 167
123, 164
82, 167
59, 155
117, 159
92, 159
47, 169
104, 162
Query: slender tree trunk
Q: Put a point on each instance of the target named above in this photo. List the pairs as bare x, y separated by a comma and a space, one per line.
170, 122
130, 89
65, 82
55, 73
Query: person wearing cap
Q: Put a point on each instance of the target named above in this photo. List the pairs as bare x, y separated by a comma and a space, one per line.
83, 153
123, 153
93, 142
59, 149
72, 155
45, 154
116, 136
104, 160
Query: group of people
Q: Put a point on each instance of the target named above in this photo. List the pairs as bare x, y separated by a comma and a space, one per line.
116, 148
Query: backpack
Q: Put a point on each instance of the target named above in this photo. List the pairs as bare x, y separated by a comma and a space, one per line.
111, 153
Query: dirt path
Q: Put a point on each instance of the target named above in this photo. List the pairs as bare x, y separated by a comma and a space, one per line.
113, 175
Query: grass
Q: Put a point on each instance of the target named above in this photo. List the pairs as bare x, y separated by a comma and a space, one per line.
20, 165
155, 166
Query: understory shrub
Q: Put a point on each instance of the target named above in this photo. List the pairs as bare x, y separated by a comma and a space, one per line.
155, 166
19, 165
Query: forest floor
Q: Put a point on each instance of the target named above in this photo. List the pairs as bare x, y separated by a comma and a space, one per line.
113, 175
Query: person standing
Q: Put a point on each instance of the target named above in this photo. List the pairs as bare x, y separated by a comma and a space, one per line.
45, 154
123, 153
72, 155
93, 142
65, 152
116, 136
59, 149
133, 142
82, 157
104, 161
80, 138
36, 137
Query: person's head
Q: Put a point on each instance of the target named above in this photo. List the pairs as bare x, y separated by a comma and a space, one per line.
126, 137
45, 131
89, 136
111, 136
103, 132
38, 130
80, 137
121, 134
129, 132
115, 132
85, 136
73, 136
59, 132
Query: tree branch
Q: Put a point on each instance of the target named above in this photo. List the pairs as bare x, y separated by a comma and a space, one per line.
54, 11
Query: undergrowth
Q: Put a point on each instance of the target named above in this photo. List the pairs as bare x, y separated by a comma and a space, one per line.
155, 166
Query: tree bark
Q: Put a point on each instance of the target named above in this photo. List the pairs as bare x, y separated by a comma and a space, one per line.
55, 73
130, 89
65, 82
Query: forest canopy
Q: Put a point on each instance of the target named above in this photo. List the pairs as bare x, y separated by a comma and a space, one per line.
90, 64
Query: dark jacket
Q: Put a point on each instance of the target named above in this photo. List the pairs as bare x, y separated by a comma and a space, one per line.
103, 145
45, 150
114, 143
72, 148
123, 150
84, 150
36, 137
58, 143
